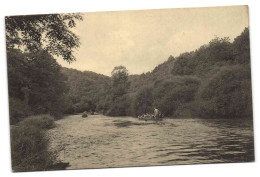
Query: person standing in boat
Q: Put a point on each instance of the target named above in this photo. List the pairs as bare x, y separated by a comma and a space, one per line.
156, 113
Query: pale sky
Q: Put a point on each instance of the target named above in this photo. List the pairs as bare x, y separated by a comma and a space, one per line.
140, 40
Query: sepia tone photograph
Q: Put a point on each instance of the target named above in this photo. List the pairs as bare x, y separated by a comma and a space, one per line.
129, 88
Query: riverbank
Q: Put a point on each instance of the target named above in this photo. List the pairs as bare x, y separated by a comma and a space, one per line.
29, 145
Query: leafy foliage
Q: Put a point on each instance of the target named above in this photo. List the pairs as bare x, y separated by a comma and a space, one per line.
172, 94
120, 82
35, 79
18, 110
228, 94
143, 102
224, 69
241, 48
219, 52
86, 90
44, 32
119, 106
43, 121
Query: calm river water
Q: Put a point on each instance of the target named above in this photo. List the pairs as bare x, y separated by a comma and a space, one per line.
100, 141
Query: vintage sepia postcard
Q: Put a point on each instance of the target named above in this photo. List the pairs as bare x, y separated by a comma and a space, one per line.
129, 88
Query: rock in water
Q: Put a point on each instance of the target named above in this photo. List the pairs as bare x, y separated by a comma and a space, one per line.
84, 114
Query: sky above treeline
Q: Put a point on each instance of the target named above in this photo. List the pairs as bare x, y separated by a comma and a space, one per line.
140, 40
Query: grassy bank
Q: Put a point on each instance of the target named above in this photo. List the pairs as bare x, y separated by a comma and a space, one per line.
29, 145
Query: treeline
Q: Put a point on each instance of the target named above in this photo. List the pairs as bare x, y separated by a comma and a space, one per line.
213, 81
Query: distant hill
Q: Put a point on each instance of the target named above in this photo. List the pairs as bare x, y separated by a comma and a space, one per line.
91, 84
85, 84
160, 72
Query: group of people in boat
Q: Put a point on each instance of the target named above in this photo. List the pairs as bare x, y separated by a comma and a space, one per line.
157, 115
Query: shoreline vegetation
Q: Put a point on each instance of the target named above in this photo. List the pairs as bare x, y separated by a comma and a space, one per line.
213, 81
29, 145
177, 117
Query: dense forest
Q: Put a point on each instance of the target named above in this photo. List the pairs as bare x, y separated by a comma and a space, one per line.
213, 81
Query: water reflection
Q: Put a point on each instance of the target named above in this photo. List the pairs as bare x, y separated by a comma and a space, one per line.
101, 141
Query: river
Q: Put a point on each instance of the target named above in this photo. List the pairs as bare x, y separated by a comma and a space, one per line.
99, 141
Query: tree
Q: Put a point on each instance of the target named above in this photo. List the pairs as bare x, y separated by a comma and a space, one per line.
120, 82
118, 102
17, 78
36, 79
47, 84
50, 32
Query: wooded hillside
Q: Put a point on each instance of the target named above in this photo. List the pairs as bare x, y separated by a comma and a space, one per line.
212, 81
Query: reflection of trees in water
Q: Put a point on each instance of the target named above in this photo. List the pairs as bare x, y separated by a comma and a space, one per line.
228, 123
233, 141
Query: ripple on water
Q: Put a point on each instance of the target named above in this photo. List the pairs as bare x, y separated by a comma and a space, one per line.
99, 141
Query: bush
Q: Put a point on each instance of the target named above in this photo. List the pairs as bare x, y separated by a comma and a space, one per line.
29, 145
39, 121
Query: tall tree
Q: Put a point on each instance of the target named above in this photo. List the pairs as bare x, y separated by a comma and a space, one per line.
50, 32
120, 82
